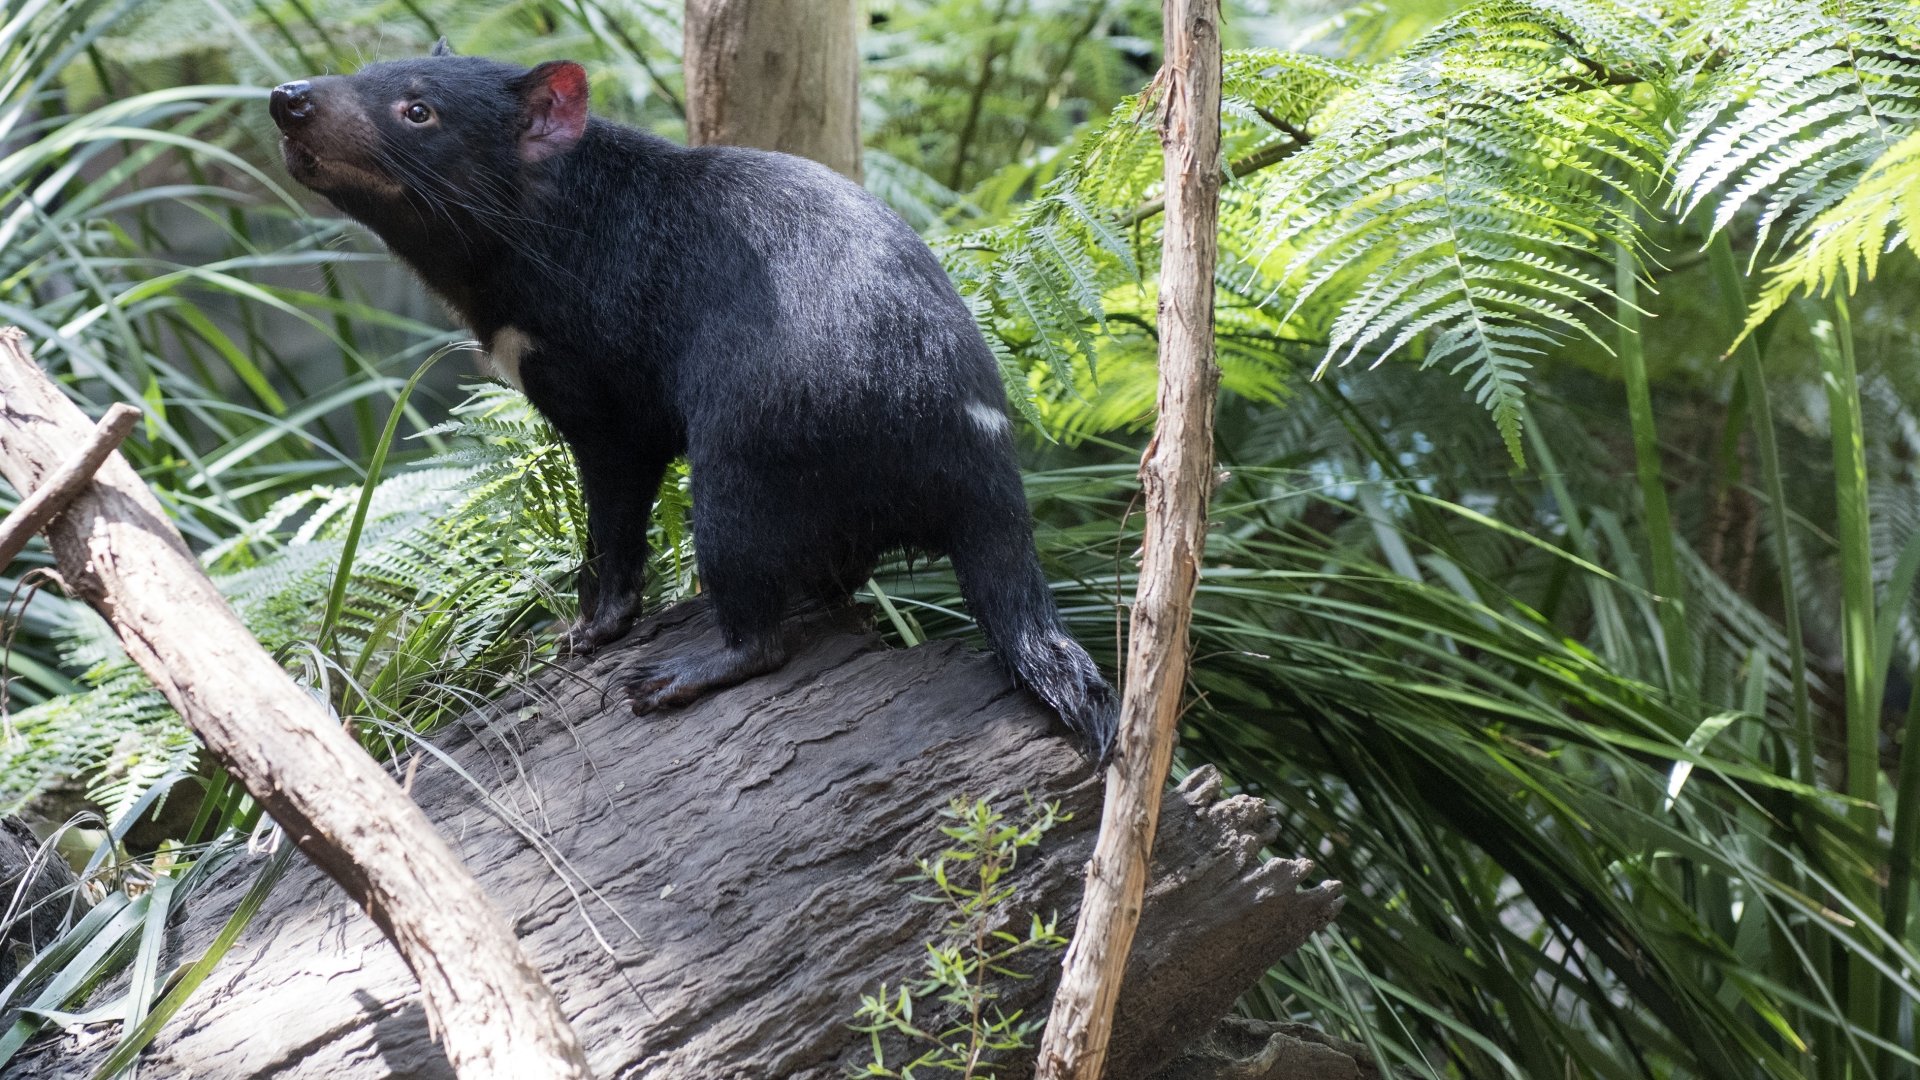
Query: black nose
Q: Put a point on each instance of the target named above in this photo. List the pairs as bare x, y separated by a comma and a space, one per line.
292, 104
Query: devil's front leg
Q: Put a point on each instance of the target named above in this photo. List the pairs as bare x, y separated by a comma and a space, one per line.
620, 481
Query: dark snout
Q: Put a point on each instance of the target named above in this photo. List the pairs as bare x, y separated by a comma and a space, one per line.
328, 141
292, 104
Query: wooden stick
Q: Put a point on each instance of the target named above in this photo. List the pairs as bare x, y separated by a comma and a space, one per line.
37, 509
1176, 479
118, 552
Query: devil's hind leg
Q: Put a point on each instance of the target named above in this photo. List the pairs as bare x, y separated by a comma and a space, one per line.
746, 582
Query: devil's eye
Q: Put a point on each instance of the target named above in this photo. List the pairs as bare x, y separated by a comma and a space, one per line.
417, 113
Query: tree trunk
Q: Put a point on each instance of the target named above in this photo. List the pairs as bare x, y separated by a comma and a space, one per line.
711, 890
118, 552
776, 74
1176, 481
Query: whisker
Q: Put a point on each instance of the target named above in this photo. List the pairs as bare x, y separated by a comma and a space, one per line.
486, 205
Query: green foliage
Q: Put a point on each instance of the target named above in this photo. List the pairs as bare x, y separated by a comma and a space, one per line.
127, 927
1806, 111
1605, 806
1457, 198
1063, 288
457, 553
959, 1029
1789, 102
1556, 864
957, 88
1846, 240
1461, 201
1453, 200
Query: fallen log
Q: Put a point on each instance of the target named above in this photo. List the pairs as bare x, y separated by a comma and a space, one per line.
711, 890
37, 891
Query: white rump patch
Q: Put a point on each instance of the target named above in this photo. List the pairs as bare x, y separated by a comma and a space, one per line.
510, 344
990, 420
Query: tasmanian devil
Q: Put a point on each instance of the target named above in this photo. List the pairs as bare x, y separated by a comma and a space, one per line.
753, 311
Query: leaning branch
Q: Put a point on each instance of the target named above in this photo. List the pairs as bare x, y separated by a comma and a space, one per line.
117, 551
33, 514
1176, 479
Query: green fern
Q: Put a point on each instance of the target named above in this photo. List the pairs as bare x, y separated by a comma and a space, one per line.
119, 735
1848, 238
1037, 285
1260, 86
1064, 289
1250, 344
1459, 200
460, 549
1792, 102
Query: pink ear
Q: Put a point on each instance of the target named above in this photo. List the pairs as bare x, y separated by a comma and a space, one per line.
555, 109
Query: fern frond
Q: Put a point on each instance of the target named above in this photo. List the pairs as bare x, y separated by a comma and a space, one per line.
1461, 197
1038, 289
1847, 239
1261, 85
1043, 283
495, 522
1791, 106
1249, 346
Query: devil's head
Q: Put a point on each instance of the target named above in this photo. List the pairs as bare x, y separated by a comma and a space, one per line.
449, 138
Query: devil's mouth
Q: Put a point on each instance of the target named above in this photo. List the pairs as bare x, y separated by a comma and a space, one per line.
333, 176
301, 161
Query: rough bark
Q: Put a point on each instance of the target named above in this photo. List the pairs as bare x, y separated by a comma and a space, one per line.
1176, 481
36, 510
117, 551
712, 889
776, 74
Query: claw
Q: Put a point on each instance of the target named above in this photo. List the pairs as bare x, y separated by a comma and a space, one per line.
668, 683
603, 627
664, 686
643, 690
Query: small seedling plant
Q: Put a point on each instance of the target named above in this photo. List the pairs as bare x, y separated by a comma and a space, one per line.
960, 1029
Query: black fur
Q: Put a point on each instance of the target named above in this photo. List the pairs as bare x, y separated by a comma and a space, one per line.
753, 311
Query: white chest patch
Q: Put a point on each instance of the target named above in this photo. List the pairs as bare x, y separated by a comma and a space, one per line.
989, 419
509, 346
